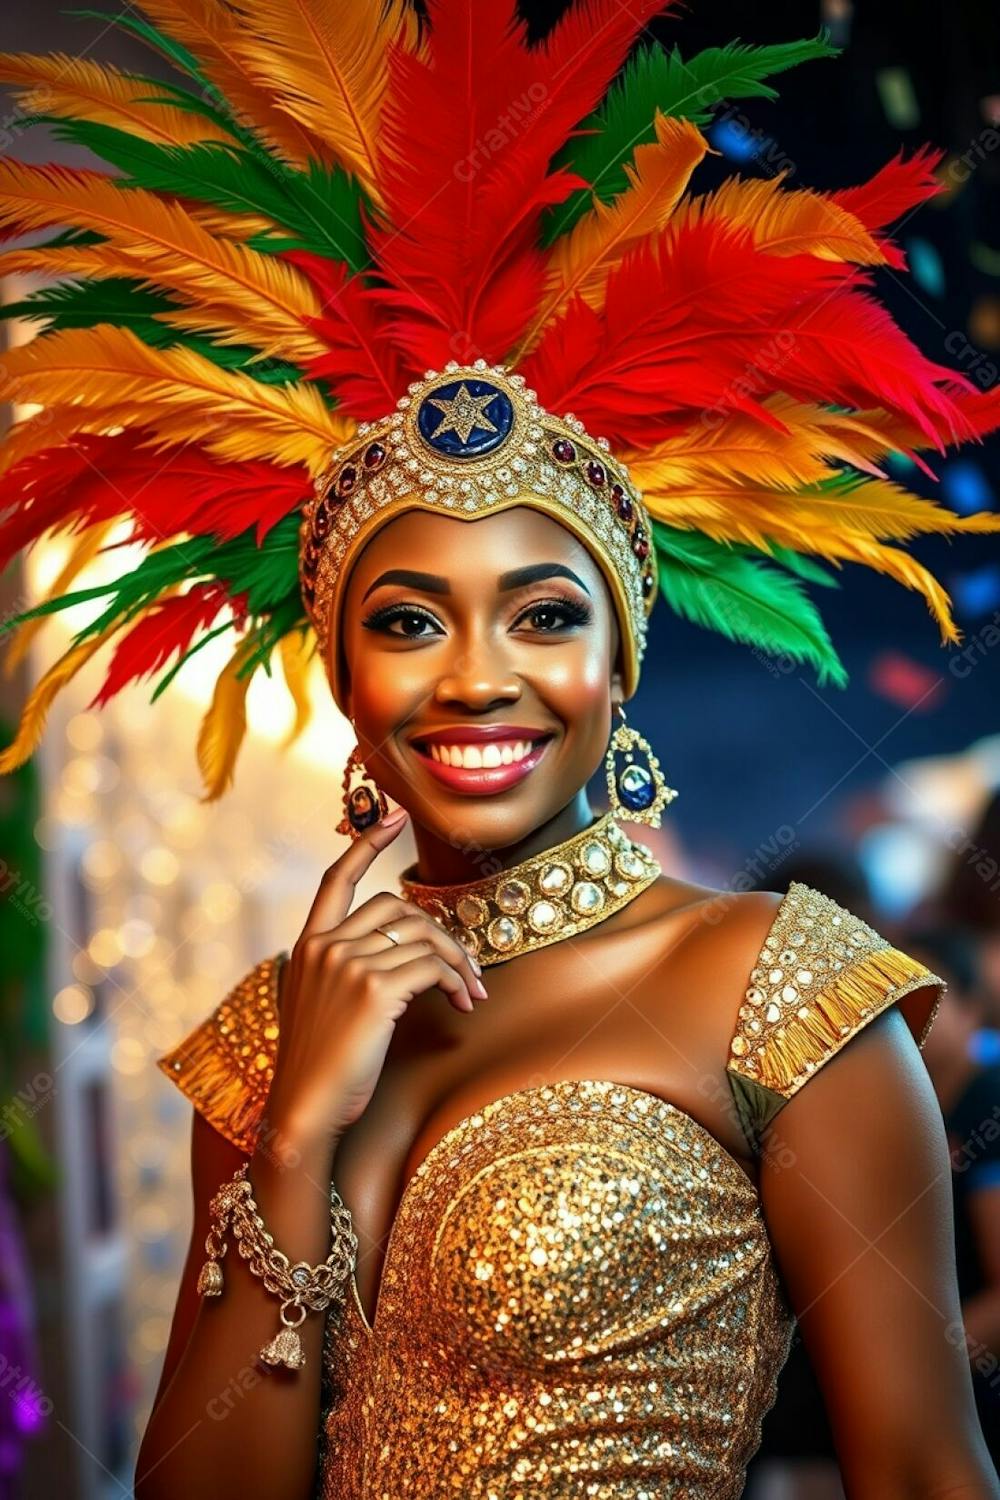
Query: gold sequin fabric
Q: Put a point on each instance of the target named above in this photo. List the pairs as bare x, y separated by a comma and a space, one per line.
578, 1299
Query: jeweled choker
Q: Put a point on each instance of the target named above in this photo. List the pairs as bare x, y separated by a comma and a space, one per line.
550, 896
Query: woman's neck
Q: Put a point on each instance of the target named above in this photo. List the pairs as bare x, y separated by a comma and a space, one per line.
459, 860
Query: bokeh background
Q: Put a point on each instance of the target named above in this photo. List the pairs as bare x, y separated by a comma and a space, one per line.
128, 906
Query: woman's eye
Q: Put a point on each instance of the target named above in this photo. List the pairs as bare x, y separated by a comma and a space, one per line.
557, 614
385, 619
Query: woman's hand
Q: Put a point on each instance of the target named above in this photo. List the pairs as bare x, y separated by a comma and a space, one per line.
344, 988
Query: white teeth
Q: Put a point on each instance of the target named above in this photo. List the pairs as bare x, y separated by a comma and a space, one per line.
475, 758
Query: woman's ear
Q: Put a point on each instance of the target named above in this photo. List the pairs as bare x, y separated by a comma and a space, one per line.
617, 690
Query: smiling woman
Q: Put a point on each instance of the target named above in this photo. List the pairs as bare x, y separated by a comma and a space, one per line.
549, 1237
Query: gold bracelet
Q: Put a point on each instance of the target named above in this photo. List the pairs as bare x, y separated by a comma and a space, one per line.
303, 1288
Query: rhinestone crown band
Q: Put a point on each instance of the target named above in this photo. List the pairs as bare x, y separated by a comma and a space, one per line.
468, 440
546, 898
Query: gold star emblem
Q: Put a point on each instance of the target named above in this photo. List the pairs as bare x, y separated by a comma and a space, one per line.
462, 413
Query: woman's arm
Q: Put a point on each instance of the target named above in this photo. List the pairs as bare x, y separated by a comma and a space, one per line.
856, 1188
222, 1426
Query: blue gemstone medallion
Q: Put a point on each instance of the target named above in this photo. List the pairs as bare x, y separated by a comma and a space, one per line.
635, 787
465, 418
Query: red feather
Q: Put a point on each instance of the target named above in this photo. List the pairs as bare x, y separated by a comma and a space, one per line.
896, 189
365, 367
701, 321
184, 490
169, 626
693, 319
469, 132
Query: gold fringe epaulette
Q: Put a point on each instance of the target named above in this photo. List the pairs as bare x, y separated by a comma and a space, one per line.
821, 975
225, 1065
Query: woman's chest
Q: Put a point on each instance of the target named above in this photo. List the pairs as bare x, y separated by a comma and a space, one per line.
612, 1011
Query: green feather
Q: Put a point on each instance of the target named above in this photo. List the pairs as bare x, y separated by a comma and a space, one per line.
81, 304
270, 629
176, 52
135, 305
320, 207
657, 79
267, 575
721, 589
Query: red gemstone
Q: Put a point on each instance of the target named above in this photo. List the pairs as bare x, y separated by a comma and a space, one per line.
563, 450
623, 505
321, 521
640, 546
648, 584
595, 473
347, 480
374, 456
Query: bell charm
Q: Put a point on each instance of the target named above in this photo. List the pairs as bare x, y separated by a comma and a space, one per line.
284, 1349
210, 1279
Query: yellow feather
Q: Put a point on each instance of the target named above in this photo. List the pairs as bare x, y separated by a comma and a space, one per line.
213, 31
297, 648
76, 88
43, 694
797, 222
224, 726
254, 298
326, 67
581, 261
87, 546
178, 394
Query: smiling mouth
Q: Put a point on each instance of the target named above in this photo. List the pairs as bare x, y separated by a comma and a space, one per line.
490, 755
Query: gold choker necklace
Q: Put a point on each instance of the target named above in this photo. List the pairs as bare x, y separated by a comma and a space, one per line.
551, 896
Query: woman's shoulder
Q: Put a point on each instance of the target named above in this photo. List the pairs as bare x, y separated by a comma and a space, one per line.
224, 1066
797, 976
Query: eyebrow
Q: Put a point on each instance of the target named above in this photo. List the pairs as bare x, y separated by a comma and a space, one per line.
517, 578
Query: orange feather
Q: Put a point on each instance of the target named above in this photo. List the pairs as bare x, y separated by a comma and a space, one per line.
177, 393
250, 297
797, 222
214, 32
326, 67
76, 88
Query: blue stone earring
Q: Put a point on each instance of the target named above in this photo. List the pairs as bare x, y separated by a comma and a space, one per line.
637, 792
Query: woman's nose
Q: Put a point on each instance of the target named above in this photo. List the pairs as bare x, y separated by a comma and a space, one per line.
478, 678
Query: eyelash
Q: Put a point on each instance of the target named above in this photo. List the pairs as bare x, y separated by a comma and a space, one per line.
575, 612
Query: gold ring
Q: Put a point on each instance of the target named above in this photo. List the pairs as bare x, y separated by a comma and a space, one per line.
393, 937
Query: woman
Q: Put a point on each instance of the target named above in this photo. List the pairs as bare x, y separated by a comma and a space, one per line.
598, 1135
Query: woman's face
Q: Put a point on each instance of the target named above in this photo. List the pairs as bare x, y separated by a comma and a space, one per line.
451, 627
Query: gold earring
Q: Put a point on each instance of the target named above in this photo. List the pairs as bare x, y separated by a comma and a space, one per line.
365, 803
637, 792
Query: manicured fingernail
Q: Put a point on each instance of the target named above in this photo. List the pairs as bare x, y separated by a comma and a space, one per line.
479, 988
395, 815
474, 961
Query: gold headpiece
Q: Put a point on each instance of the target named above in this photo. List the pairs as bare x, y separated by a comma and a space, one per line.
467, 441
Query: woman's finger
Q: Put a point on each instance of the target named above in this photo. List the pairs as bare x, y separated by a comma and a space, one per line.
339, 884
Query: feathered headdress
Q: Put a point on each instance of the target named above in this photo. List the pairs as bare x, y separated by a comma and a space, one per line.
338, 203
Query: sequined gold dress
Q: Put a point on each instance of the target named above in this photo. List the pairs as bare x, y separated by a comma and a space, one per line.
578, 1296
